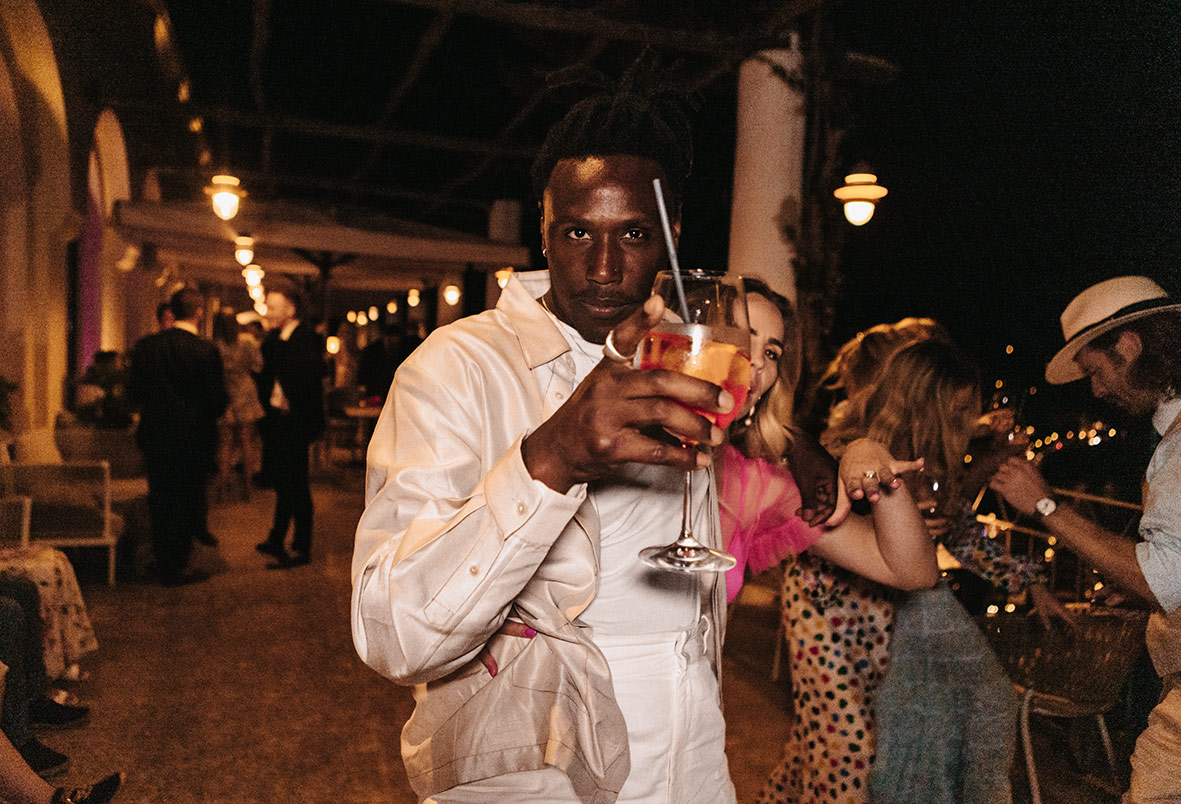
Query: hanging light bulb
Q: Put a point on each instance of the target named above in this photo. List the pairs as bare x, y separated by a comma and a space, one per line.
391, 307
859, 195
225, 194
351, 316
258, 293
253, 275
362, 319
332, 345
451, 295
244, 250
260, 307
373, 313
412, 298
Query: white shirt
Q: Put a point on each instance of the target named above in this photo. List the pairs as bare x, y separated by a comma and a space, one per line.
1159, 555
638, 508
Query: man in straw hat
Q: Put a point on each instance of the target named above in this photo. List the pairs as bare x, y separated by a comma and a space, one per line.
1124, 334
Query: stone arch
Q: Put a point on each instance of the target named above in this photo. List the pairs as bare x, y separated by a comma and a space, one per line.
102, 285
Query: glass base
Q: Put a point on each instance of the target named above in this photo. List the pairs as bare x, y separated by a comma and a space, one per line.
687, 558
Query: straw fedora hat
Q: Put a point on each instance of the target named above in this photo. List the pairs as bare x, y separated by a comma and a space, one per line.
1099, 309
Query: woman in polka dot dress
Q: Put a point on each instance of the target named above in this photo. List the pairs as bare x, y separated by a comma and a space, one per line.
839, 626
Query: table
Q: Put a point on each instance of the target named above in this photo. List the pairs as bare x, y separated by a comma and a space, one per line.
366, 416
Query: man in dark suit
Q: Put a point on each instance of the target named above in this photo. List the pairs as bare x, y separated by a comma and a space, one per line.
176, 378
291, 385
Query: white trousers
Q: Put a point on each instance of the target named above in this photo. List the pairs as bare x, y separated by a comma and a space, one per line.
669, 697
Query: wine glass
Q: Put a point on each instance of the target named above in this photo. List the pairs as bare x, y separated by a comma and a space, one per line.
706, 335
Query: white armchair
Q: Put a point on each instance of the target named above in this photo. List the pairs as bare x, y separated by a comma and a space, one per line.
71, 500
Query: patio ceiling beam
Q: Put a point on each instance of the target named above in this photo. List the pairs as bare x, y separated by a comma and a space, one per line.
319, 128
427, 46
562, 20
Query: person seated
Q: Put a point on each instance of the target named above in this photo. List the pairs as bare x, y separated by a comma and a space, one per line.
26, 705
19, 782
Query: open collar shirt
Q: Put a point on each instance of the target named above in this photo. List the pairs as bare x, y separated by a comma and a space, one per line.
1159, 554
457, 536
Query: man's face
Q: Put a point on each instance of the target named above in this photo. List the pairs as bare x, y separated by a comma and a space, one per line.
280, 310
600, 226
1109, 374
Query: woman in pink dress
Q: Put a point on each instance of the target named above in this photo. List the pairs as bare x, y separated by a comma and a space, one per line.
759, 502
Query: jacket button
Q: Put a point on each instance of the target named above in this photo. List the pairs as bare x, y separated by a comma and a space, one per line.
473, 569
521, 508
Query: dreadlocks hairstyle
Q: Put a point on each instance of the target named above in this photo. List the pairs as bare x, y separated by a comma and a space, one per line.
645, 115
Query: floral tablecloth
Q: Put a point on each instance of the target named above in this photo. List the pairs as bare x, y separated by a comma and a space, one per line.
68, 634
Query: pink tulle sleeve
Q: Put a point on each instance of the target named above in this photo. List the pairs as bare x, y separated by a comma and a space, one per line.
758, 503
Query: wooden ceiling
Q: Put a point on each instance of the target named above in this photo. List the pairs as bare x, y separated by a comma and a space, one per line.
426, 110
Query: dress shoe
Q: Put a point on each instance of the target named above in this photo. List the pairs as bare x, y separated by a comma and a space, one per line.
269, 548
207, 539
46, 713
44, 761
287, 561
100, 792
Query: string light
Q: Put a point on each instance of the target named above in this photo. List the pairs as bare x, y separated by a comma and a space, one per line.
253, 275
225, 194
244, 250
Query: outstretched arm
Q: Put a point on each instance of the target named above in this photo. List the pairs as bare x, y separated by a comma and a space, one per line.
891, 546
1112, 554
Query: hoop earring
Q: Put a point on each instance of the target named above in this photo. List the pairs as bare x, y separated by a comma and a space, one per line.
543, 252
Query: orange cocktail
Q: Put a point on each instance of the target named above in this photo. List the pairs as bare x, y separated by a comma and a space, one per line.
700, 352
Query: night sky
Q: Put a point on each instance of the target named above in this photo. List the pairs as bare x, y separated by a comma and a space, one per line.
1030, 149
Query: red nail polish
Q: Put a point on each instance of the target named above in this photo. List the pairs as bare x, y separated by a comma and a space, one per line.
530, 633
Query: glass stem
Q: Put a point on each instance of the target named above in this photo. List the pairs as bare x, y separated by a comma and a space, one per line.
687, 511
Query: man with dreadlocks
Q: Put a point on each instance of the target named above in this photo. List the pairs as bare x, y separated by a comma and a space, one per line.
512, 480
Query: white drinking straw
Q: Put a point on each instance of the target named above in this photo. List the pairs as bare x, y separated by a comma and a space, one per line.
672, 251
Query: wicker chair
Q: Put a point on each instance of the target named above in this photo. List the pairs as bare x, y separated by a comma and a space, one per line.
1067, 673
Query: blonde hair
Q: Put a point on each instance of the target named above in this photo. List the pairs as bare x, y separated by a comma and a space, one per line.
911, 409
768, 434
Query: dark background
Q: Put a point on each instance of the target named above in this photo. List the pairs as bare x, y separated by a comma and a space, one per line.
1029, 148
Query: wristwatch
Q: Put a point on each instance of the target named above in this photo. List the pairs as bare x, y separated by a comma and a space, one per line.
1045, 506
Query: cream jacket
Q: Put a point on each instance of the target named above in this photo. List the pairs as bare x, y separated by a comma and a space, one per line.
456, 537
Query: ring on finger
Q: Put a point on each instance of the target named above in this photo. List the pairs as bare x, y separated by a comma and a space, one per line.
611, 353
869, 474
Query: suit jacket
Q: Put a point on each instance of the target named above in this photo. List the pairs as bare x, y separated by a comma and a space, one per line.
177, 380
298, 364
456, 537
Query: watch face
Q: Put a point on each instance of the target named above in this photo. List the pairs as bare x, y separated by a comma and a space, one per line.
1045, 506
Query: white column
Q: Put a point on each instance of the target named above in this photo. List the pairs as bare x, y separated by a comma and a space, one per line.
768, 170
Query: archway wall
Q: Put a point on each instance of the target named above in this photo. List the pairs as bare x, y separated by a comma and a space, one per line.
37, 217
